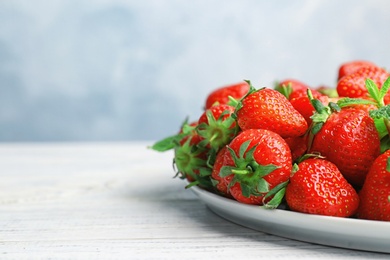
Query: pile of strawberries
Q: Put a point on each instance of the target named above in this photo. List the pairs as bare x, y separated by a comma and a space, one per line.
322, 150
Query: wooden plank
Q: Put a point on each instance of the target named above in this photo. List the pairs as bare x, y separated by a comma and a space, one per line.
119, 201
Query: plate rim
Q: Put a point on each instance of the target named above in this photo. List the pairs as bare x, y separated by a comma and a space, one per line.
349, 233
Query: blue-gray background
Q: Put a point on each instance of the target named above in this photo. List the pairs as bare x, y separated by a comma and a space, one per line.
78, 70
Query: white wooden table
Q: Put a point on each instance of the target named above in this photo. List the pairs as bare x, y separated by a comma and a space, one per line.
120, 201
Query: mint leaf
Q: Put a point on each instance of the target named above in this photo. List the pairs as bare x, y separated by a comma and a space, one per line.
385, 88
373, 90
345, 102
382, 112
380, 127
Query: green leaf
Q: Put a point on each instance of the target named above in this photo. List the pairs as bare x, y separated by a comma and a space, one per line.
204, 172
285, 90
317, 127
244, 146
318, 106
388, 164
385, 88
334, 107
263, 186
239, 105
380, 127
385, 144
295, 168
276, 200
278, 192
226, 171
211, 158
210, 117
167, 143
330, 92
232, 101
214, 182
246, 190
191, 184
263, 170
186, 128
382, 112
249, 154
345, 102
232, 153
373, 90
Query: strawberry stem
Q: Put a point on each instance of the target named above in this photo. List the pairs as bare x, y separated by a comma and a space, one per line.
241, 171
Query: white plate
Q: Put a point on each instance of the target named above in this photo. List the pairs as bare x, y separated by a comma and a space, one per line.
332, 231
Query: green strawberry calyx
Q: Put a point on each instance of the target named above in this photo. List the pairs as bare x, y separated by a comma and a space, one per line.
218, 131
381, 115
250, 175
284, 89
321, 113
319, 117
189, 161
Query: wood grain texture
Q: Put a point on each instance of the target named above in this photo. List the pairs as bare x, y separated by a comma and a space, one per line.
120, 201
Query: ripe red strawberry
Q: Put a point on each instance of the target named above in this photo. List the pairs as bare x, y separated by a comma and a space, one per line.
219, 182
303, 105
303, 93
354, 85
269, 109
259, 163
288, 86
330, 92
352, 66
221, 95
318, 187
298, 146
216, 126
350, 140
375, 194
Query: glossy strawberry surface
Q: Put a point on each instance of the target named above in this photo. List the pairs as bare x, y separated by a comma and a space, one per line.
271, 153
375, 194
318, 187
269, 109
221, 95
350, 140
354, 84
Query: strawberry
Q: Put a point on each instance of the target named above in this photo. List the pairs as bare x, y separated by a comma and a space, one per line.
269, 109
289, 86
316, 186
303, 105
375, 194
354, 85
257, 167
330, 92
216, 126
222, 94
303, 93
349, 139
219, 182
352, 66
298, 146
191, 161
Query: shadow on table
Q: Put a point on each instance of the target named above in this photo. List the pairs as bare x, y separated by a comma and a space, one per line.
191, 209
